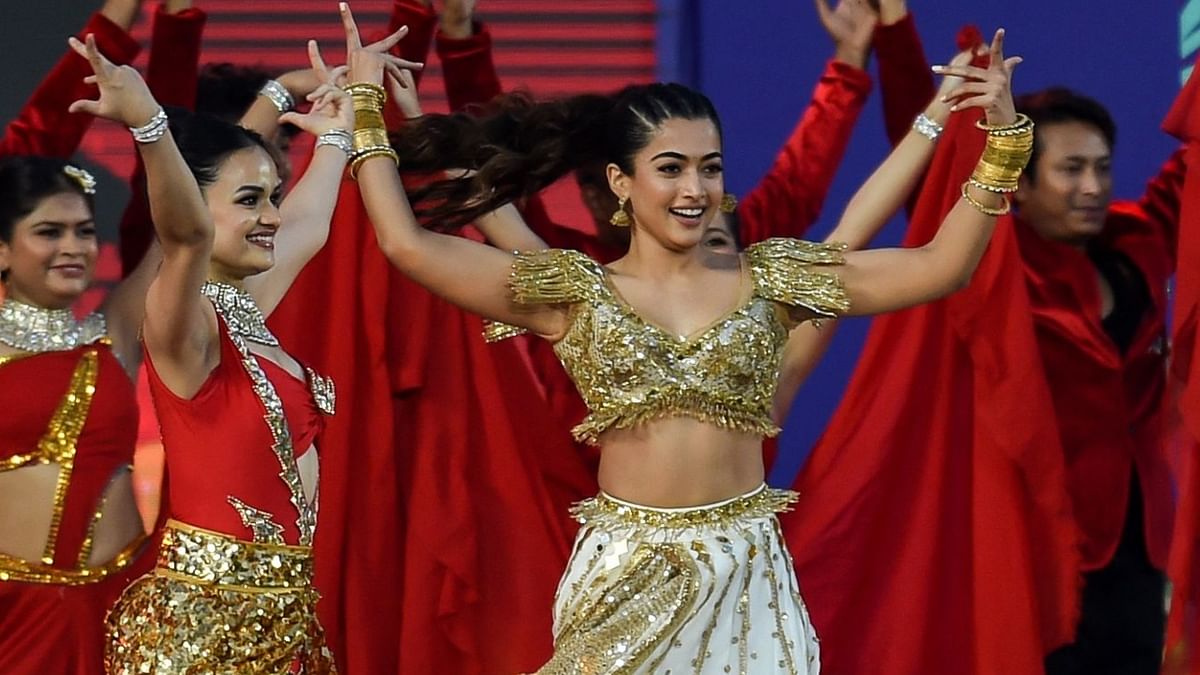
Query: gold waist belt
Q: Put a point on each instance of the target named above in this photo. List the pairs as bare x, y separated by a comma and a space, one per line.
609, 512
210, 558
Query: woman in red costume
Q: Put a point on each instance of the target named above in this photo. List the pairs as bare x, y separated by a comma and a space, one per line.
69, 527
232, 588
681, 550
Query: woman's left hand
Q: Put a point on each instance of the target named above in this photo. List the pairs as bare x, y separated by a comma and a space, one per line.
331, 106
988, 88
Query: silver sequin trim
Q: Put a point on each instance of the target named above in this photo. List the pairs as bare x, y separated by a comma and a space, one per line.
37, 329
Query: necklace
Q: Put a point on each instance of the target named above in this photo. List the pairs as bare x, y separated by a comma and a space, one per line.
242, 316
37, 329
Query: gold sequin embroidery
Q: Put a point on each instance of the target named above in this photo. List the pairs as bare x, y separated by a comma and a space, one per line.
217, 604
630, 371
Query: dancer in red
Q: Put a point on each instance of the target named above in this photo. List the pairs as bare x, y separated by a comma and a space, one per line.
70, 528
233, 584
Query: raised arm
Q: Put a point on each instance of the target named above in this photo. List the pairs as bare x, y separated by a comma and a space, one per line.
883, 280
177, 330
905, 83
467, 273
44, 126
307, 210
172, 75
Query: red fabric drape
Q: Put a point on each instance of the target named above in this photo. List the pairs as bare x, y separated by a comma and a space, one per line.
1183, 623
334, 318
933, 533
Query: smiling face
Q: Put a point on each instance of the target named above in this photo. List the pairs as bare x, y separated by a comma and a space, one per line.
676, 183
51, 254
244, 203
1067, 197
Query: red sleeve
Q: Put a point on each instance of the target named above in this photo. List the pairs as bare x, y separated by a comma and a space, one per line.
172, 75
788, 199
175, 56
1151, 224
44, 127
421, 21
468, 68
905, 81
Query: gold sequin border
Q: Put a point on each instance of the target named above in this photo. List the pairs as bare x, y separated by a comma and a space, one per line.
208, 558
24, 571
608, 513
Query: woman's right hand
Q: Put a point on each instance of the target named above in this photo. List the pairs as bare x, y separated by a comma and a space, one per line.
124, 96
988, 88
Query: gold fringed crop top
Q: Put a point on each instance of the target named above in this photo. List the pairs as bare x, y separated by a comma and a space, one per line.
629, 370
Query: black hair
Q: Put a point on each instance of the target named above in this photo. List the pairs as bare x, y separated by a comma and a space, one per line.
227, 90
1057, 105
26, 180
206, 142
519, 147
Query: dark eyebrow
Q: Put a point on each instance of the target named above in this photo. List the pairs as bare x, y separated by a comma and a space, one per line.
56, 223
671, 154
251, 188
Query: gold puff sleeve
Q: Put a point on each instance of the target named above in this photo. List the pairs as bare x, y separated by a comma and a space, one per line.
553, 276
795, 274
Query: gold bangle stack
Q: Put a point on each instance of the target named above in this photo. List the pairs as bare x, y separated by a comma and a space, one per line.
1008, 150
370, 132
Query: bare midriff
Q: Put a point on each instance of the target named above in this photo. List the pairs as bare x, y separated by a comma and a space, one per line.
679, 461
27, 510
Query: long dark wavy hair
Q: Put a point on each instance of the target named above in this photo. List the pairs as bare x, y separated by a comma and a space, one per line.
517, 147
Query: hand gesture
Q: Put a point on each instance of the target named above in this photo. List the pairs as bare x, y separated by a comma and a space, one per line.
124, 96
331, 106
987, 88
851, 25
371, 63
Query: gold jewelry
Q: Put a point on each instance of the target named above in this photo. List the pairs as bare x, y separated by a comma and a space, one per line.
984, 208
1008, 150
367, 91
86, 181
1015, 129
620, 217
361, 155
728, 203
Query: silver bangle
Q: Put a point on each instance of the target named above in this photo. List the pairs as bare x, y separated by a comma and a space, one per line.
153, 130
338, 138
927, 127
278, 95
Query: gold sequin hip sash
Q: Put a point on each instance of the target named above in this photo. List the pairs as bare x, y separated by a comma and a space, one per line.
703, 590
217, 604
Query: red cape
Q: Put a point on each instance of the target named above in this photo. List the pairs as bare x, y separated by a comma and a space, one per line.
1183, 623
934, 532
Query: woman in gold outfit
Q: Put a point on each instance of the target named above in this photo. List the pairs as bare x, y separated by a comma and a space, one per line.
679, 566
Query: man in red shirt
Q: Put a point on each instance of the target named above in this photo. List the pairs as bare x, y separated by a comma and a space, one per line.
1097, 273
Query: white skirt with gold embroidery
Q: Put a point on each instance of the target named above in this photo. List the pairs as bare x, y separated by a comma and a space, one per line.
682, 591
